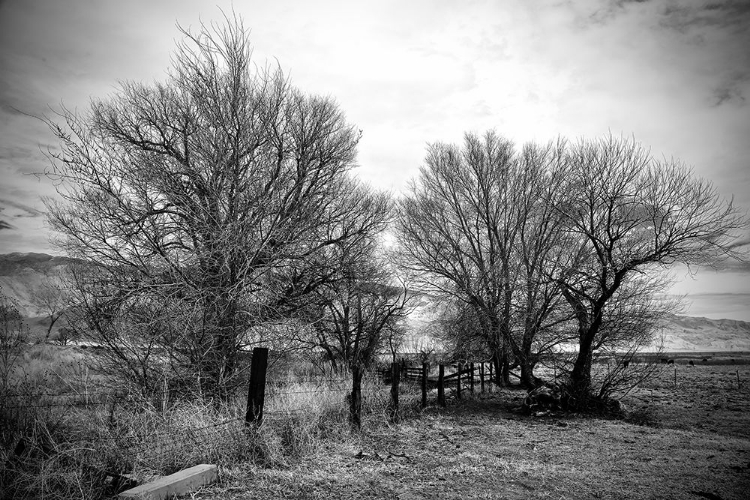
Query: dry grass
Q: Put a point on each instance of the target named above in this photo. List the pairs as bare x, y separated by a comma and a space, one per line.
71, 439
485, 448
679, 441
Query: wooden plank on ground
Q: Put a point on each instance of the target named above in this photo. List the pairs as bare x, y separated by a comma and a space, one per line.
178, 483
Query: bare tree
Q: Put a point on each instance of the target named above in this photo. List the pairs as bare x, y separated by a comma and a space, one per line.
479, 227
13, 336
628, 216
52, 299
191, 197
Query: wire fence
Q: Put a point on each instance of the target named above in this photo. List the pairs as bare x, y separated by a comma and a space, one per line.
115, 431
126, 426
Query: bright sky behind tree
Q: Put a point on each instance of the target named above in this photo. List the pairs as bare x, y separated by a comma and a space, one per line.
673, 75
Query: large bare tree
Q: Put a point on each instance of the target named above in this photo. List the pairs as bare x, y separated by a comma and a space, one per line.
628, 216
194, 199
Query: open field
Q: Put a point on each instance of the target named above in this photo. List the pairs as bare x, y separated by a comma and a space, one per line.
686, 441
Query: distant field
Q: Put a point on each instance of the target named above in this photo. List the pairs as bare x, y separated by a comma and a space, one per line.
699, 358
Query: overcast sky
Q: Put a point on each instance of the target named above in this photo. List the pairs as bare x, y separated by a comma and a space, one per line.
673, 75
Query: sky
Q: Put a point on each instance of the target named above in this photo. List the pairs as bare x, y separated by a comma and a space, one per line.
675, 76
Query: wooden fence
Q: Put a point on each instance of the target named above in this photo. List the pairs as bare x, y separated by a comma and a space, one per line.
464, 377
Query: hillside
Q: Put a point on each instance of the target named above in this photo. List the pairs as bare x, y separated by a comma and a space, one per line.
22, 274
687, 333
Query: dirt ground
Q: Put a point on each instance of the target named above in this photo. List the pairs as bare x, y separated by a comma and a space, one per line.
695, 444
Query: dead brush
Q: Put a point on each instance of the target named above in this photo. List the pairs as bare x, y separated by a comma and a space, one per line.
74, 449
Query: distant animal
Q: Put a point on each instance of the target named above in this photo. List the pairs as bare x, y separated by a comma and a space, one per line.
670, 361
704, 360
625, 363
691, 363
667, 361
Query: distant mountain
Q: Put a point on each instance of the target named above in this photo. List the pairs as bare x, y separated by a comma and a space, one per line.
687, 333
23, 273
23, 277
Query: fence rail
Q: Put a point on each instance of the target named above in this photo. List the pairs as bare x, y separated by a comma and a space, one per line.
469, 375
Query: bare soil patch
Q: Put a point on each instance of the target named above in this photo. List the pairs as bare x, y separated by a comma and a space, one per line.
697, 445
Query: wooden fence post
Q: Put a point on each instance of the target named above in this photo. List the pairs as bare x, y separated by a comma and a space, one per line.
257, 391
492, 380
395, 379
481, 377
424, 385
355, 398
441, 386
471, 379
458, 381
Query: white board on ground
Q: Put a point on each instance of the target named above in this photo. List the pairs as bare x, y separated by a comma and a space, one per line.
178, 483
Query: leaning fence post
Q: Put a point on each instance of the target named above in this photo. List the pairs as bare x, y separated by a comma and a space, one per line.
257, 391
424, 385
395, 379
441, 386
458, 381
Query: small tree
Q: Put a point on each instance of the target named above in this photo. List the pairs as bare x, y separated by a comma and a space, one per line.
355, 314
52, 299
627, 217
13, 337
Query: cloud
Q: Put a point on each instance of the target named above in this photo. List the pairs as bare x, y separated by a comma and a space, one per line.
26, 210
730, 89
729, 14
3, 224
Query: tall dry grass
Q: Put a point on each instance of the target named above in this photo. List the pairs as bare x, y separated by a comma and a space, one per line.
73, 441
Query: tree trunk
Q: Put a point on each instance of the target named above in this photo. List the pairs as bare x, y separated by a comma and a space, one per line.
528, 380
588, 326
502, 367
506, 366
580, 377
355, 400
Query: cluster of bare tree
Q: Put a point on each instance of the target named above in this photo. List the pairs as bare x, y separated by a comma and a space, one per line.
207, 207
556, 244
